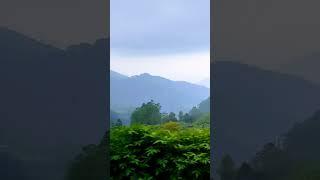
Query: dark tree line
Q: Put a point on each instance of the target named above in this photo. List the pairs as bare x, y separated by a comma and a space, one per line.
295, 157
149, 114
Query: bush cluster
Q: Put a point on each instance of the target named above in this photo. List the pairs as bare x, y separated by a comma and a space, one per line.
166, 151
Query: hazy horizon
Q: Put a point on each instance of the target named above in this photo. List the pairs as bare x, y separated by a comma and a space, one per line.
200, 82
192, 67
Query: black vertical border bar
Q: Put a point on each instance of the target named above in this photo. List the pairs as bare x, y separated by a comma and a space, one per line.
107, 75
212, 119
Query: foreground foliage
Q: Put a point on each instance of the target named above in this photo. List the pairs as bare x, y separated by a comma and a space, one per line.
166, 151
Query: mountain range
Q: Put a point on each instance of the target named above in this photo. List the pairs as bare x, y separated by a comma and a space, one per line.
54, 101
305, 66
205, 82
173, 96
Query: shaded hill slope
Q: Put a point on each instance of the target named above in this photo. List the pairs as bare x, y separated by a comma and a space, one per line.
252, 106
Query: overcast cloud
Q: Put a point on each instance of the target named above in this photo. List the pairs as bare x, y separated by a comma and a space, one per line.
168, 38
166, 26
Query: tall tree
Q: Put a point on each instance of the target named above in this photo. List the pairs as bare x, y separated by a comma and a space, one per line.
118, 123
164, 117
172, 117
148, 113
180, 116
187, 118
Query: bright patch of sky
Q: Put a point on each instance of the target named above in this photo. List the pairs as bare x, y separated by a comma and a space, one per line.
191, 67
168, 38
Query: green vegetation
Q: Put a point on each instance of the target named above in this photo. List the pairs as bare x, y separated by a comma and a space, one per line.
168, 117
166, 151
161, 146
203, 121
155, 146
148, 113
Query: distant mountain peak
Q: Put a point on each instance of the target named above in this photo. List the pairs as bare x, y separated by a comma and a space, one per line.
145, 74
149, 76
172, 95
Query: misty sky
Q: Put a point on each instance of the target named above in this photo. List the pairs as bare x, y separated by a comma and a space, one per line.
266, 33
169, 38
57, 22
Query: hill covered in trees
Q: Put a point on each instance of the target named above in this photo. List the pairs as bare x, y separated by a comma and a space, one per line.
252, 106
293, 157
196, 112
131, 92
301, 140
53, 101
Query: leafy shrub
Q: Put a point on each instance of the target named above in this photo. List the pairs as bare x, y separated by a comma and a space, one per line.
160, 152
171, 126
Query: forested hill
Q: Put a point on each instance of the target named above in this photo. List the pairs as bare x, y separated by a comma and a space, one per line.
128, 92
252, 106
204, 106
301, 139
53, 101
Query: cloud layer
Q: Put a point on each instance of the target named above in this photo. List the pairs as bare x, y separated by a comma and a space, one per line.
158, 27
